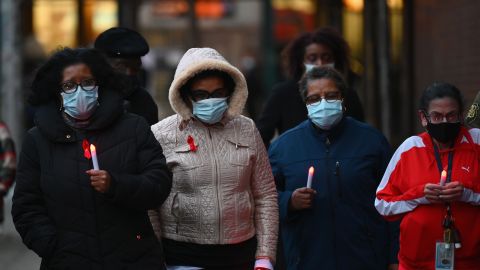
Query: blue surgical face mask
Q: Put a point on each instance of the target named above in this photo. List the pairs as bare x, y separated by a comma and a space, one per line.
210, 110
325, 114
309, 67
80, 104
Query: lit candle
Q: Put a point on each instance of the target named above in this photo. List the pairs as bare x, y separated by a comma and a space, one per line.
310, 176
443, 178
94, 157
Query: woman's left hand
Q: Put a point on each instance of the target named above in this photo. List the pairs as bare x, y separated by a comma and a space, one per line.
100, 180
453, 192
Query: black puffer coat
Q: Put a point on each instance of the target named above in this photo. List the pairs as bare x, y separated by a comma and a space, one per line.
140, 102
63, 219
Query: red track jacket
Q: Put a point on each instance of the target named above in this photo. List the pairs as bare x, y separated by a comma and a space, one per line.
400, 194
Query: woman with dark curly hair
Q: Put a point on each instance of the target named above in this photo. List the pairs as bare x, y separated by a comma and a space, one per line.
285, 108
79, 207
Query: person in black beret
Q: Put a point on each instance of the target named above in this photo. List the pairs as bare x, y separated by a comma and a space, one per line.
124, 48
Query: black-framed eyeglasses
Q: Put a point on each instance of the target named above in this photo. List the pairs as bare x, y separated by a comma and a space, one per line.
436, 117
69, 87
198, 95
329, 97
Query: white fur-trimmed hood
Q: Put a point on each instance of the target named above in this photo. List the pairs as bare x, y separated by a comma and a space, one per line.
196, 60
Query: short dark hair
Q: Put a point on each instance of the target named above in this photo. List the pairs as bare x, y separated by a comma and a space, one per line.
45, 86
293, 54
322, 73
440, 90
227, 79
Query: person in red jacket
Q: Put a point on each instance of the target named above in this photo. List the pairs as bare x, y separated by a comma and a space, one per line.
433, 184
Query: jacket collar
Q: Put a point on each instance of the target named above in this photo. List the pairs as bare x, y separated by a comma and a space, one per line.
331, 134
49, 120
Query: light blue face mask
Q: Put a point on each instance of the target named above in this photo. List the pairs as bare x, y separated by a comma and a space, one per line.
210, 110
80, 104
324, 114
309, 67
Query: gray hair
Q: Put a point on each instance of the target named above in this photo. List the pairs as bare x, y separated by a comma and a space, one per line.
318, 73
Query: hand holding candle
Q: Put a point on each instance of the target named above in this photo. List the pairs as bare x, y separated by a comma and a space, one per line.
443, 178
93, 151
302, 198
310, 176
100, 180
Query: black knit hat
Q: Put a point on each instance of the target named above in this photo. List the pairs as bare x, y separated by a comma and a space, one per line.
121, 42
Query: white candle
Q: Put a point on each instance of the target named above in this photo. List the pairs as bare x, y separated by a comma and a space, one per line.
443, 178
310, 176
93, 151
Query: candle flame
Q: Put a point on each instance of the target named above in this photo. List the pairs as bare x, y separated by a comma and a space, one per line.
92, 148
311, 170
444, 173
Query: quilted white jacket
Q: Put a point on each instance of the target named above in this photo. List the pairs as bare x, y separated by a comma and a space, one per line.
223, 192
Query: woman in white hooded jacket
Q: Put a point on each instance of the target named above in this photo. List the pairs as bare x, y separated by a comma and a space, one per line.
222, 212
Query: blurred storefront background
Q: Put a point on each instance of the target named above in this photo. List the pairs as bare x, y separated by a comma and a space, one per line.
397, 46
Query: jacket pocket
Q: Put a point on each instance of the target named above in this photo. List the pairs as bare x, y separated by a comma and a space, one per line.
239, 152
186, 158
186, 214
245, 204
175, 210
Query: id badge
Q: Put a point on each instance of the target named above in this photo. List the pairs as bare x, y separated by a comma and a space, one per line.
444, 256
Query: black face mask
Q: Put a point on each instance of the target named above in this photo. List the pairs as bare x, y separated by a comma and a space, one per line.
443, 132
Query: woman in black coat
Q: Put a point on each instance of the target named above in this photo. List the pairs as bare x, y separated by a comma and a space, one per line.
285, 108
71, 215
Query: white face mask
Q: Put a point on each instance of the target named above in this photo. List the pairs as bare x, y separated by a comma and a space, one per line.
309, 67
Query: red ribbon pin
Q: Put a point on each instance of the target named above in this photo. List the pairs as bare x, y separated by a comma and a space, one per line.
86, 150
191, 143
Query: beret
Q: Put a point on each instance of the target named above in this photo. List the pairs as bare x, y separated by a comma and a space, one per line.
121, 42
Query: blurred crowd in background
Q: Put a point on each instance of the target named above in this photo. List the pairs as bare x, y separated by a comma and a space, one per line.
397, 46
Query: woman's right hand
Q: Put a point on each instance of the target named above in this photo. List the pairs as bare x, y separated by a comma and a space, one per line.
302, 198
100, 180
432, 192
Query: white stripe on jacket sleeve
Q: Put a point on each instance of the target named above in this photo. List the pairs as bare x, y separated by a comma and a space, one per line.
389, 208
469, 196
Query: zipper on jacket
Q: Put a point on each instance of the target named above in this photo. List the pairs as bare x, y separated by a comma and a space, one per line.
217, 184
339, 179
332, 206
96, 214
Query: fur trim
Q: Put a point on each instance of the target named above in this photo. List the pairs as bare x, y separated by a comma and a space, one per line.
196, 60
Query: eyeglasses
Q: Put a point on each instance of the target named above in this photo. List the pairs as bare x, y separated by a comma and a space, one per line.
435, 117
69, 87
329, 97
198, 95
